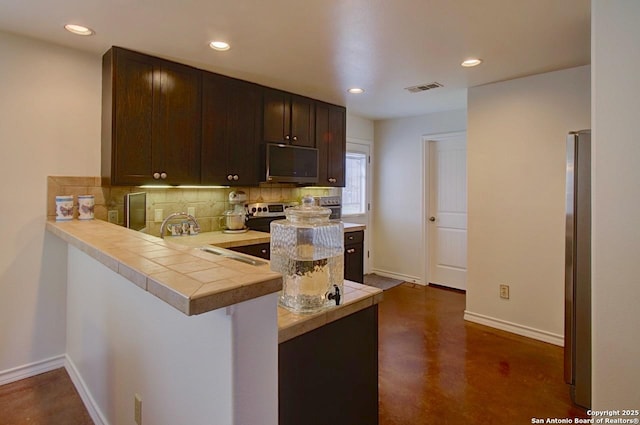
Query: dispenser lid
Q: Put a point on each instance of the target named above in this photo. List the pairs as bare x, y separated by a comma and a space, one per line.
308, 211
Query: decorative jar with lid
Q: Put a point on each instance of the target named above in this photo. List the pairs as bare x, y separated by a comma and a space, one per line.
308, 250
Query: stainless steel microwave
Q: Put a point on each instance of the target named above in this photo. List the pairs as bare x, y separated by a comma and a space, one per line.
291, 164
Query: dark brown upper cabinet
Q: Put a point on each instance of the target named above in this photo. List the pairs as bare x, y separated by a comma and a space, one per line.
331, 141
288, 118
231, 118
151, 110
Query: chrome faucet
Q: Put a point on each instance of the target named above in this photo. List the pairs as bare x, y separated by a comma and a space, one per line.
192, 219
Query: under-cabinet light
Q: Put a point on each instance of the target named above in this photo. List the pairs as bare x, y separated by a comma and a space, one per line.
160, 186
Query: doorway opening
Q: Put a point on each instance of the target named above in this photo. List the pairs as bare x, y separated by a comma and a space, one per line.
356, 195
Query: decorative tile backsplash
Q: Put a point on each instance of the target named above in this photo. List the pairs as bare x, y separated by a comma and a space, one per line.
209, 203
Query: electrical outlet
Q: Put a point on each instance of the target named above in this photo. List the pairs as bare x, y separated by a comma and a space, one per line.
159, 213
504, 292
137, 410
191, 211
113, 216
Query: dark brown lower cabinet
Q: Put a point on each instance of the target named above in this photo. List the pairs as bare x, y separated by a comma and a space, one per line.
354, 256
261, 250
330, 375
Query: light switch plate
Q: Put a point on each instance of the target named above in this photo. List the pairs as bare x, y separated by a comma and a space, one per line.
158, 215
191, 211
504, 292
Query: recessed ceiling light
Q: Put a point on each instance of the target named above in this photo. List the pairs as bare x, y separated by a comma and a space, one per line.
219, 45
356, 90
79, 29
471, 62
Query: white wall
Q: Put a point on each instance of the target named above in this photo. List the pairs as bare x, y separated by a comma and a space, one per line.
49, 125
516, 141
218, 367
616, 204
359, 128
398, 220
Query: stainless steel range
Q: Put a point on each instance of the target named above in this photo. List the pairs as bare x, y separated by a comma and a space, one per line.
334, 203
260, 215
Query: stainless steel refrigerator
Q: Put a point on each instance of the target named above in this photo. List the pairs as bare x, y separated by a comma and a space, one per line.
577, 324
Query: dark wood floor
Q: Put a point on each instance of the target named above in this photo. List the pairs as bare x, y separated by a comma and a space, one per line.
435, 368
46, 399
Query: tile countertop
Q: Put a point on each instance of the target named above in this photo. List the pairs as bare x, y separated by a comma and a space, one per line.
356, 297
231, 240
194, 281
191, 280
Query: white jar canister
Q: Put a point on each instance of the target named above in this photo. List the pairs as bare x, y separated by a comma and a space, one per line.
86, 204
64, 207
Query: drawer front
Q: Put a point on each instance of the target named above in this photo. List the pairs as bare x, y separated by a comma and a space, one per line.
354, 237
261, 250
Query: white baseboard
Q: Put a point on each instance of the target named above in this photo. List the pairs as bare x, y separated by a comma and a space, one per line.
32, 369
400, 276
92, 407
515, 328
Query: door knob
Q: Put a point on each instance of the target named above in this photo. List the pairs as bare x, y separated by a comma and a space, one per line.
432, 218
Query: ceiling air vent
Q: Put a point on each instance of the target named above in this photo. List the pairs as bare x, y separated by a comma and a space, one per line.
423, 87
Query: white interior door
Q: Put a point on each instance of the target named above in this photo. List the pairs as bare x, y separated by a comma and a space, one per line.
356, 196
447, 218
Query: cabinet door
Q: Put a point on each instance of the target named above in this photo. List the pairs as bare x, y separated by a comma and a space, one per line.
176, 138
277, 116
302, 121
151, 120
127, 117
331, 142
215, 149
243, 132
354, 256
231, 117
261, 250
330, 375
288, 118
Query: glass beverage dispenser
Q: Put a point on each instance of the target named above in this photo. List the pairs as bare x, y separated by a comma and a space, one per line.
308, 250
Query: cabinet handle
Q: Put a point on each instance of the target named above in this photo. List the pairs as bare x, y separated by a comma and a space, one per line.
156, 176
229, 177
350, 238
295, 138
286, 137
351, 250
263, 251
235, 177
163, 175
332, 180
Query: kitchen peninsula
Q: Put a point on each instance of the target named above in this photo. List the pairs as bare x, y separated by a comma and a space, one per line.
211, 355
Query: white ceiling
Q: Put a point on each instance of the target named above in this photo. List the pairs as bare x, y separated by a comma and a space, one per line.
320, 48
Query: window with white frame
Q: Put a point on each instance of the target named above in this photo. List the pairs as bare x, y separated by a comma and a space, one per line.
353, 194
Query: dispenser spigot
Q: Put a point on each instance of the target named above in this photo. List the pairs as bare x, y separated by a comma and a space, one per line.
336, 295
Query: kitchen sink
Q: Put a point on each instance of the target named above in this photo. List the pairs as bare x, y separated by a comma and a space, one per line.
233, 255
